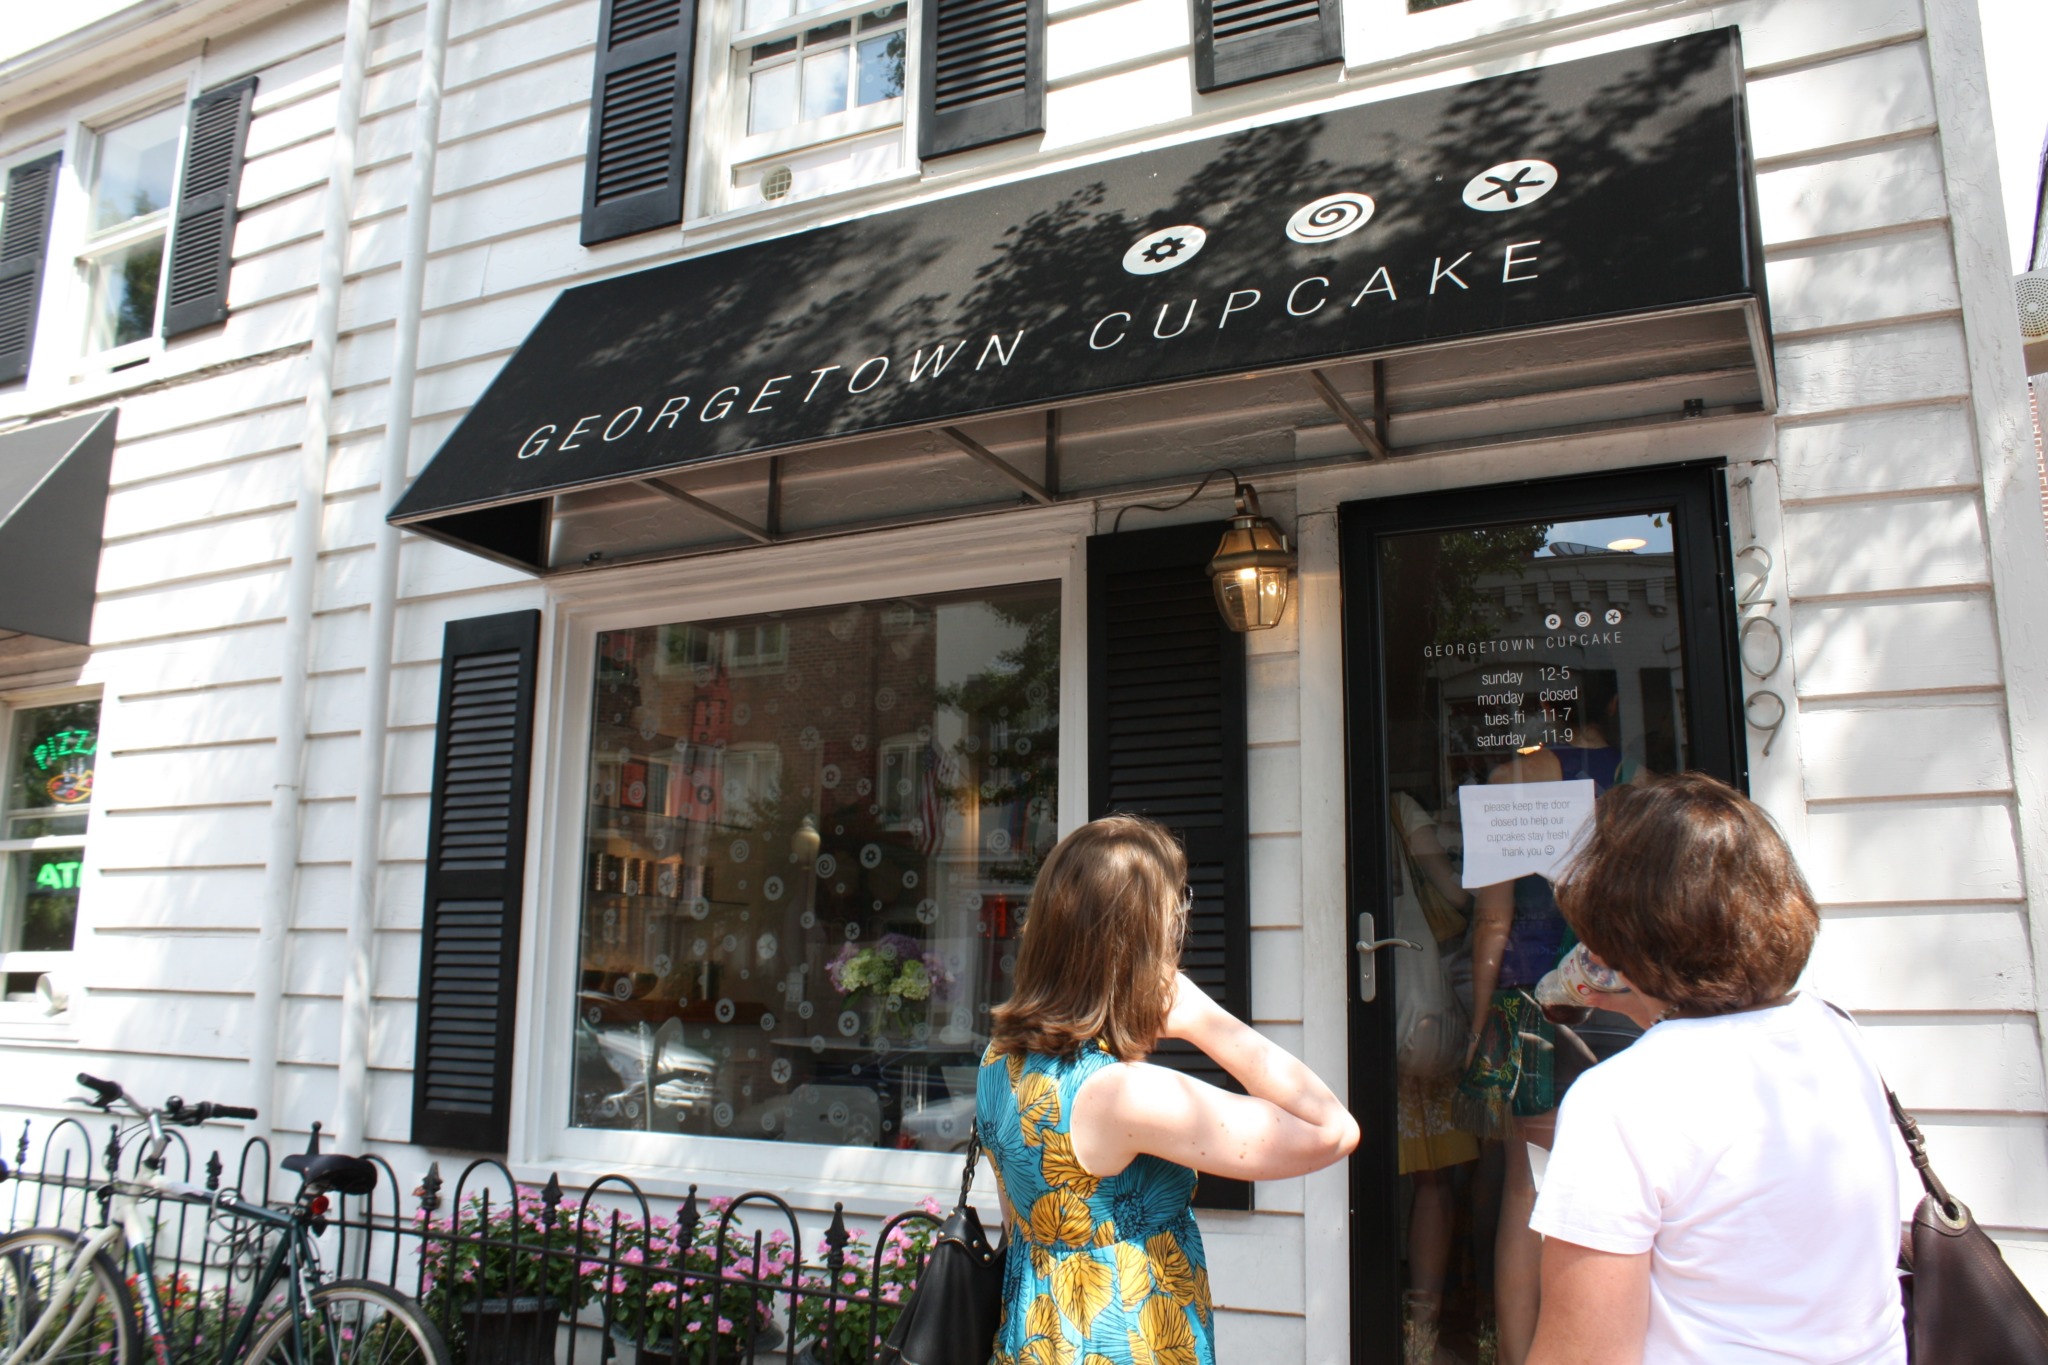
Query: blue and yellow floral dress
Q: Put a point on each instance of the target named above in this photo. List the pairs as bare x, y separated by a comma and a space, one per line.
1099, 1272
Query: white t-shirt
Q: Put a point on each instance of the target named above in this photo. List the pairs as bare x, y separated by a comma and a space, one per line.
1751, 1154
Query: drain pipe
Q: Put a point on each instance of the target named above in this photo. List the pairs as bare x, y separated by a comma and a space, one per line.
281, 865
352, 1107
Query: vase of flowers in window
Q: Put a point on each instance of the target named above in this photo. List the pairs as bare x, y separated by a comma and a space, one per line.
675, 1300
890, 982
851, 1309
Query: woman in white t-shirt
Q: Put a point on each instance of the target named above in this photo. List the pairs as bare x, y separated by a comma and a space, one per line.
1725, 1191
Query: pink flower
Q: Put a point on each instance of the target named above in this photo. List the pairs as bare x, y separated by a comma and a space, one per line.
693, 1327
892, 1292
724, 1325
932, 1206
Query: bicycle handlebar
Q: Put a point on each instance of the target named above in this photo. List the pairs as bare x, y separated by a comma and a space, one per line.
176, 1110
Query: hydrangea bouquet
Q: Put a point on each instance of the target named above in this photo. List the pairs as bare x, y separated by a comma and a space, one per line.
894, 977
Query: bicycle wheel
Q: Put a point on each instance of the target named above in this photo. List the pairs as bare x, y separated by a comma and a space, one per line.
352, 1322
94, 1326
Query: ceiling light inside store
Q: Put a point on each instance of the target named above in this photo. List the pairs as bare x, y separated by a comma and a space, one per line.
1627, 544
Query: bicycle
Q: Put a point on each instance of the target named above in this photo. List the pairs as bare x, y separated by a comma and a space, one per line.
63, 1301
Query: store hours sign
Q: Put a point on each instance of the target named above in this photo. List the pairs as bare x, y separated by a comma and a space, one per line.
1609, 186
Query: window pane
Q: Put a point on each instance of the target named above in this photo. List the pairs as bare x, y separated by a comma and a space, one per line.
42, 900
761, 12
825, 83
123, 301
771, 103
880, 18
53, 749
132, 177
881, 67
811, 839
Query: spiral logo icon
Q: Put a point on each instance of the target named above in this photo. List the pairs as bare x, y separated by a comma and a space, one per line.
1330, 217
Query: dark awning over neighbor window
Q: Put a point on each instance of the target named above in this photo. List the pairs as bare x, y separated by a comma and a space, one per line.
53, 502
1592, 193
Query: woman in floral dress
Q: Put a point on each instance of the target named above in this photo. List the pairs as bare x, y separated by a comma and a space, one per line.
1097, 1150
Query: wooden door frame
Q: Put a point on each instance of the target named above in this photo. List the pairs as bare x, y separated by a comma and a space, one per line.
1697, 494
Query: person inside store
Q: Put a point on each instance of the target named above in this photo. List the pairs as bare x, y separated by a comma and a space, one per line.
1725, 1190
1096, 1150
1510, 1083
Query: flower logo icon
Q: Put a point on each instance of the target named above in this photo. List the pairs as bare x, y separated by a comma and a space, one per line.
1164, 249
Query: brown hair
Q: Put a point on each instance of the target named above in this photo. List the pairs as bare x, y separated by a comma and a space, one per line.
1686, 888
1100, 943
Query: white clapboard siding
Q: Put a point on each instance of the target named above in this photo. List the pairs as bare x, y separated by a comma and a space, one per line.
1777, 35
1898, 544
1900, 363
1923, 749
1895, 645
1888, 185
1897, 450
1913, 852
1948, 958
1857, 99
1903, 273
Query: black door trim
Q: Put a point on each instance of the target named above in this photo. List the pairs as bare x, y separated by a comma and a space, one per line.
1697, 492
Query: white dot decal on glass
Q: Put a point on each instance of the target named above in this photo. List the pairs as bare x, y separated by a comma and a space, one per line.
1510, 185
729, 942
999, 841
828, 777
772, 888
722, 1115
885, 699
767, 1023
623, 988
724, 1011
741, 714
849, 1023
662, 966
807, 738
852, 928
808, 919
837, 1115
1023, 745
1165, 249
765, 947
740, 849
780, 1070
863, 788
805, 1009
909, 878
827, 864
1330, 217
818, 1039
1036, 693
860, 744
928, 911
871, 855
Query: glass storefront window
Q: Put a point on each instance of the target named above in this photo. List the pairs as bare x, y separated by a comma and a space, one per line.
51, 753
810, 839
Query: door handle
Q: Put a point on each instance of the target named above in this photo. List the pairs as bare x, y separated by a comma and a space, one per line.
1367, 948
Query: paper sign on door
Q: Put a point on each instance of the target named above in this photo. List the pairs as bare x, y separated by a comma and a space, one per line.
1514, 829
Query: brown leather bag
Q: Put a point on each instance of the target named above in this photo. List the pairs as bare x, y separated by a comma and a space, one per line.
1964, 1306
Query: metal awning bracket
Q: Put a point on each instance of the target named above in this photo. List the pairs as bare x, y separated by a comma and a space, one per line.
710, 509
1032, 488
1369, 440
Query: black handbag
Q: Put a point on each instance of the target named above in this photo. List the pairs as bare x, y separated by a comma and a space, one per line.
1964, 1306
950, 1318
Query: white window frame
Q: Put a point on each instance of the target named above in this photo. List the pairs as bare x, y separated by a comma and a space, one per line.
19, 1017
59, 359
1382, 33
893, 804
1040, 546
720, 110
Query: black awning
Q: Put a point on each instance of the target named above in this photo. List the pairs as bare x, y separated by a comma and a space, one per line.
1610, 187
53, 502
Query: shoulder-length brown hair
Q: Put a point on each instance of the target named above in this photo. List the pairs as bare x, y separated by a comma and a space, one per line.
1686, 888
1100, 943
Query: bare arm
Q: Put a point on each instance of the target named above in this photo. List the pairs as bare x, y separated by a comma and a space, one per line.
1290, 1123
1596, 1306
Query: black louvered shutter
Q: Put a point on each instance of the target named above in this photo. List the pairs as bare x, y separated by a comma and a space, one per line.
1246, 40
639, 117
476, 859
1166, 739
203, 237
24, 237
984, 73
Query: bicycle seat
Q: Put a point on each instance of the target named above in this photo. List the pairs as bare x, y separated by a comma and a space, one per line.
342, 1174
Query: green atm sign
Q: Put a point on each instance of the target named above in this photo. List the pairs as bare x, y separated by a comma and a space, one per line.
58, 876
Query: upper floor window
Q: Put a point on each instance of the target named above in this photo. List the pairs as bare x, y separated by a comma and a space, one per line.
817, 97
129, 186
50, 759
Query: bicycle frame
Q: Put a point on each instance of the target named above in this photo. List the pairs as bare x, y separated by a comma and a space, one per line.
292, 1259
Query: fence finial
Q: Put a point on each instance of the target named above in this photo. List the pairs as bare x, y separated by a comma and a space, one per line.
213, 1169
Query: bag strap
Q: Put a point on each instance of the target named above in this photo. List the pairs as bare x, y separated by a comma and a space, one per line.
973, 1159
1916, 1143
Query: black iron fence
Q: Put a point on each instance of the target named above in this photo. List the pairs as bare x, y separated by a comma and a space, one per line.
513, 1274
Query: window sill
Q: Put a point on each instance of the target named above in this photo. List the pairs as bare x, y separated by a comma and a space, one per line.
807, 1191
713, 230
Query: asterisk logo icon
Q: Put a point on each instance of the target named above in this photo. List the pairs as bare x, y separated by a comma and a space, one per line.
1511, 187
1165, 249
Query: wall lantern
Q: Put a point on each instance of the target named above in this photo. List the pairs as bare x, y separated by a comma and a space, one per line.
1251, 568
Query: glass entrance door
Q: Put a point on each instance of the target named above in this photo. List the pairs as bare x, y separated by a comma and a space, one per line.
1512, 654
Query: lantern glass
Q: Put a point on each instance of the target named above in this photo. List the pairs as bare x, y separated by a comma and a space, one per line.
1251, 572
